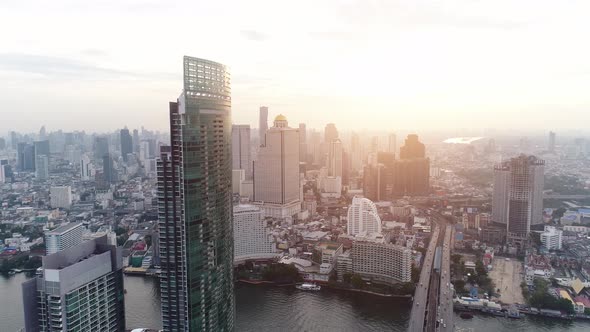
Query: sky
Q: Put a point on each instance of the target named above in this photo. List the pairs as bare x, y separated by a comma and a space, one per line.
385, 65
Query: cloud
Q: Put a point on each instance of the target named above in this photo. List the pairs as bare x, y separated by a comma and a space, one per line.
65, 68
93, 52
254, 35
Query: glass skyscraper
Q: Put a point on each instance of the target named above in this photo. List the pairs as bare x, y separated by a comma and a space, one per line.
195, 204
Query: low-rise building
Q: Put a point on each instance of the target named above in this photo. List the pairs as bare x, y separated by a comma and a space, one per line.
551, 238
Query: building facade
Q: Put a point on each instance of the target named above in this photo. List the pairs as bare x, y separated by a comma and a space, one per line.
551, 238
252, 238
81, 289
63, 237
382, 262
276, 171
262, 123
241, 152
61, 197
195, 204
518, 198
363, 217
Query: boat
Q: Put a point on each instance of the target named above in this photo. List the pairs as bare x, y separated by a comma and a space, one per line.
466, 315
308, 287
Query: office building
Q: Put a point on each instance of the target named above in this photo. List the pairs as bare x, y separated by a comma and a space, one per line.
3, 173
392, 143
63, 237
335, 158
551, 238
135, 141
108, 169
410, 177
375, 259
2, 143
375, 182
60, 197
126, 144
26, 157
101, 147
42, 148
81, 289
252, 236
363, 217
241, 152
262, 123
412, 148
42, 167
302, 143
518, 196
276, 172
330, 133
195, 204
86, 169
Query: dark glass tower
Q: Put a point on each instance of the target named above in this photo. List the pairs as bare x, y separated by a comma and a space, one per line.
126, 143
194, 204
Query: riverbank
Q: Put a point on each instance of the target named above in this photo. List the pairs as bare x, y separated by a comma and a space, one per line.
265, 282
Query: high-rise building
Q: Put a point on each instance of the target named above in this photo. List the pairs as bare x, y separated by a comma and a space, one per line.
316, 144
375, 182
2, 143
392, 143
81, 289
108, 169
276, 172
63, 237
356, 155
195, 204
61, 197
136, 141
412, 148
26, 157
335, 158
85, 169
363, 217
126, 143
302, 143
240, 149
3, 173
101, 147
518, 196
262, 123
42, 167
551, 146
330, 133
42, 149
252, 238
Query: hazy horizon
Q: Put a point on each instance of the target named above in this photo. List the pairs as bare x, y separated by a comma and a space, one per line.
383, 65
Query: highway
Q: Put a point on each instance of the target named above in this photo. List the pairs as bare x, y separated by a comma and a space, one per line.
445, 308
420, 296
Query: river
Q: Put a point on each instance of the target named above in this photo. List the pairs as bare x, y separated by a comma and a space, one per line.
267, 308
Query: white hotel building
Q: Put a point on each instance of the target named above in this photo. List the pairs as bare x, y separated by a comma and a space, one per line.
252, 237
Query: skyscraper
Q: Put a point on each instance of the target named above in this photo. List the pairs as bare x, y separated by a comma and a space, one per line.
262, 123
85, 169
42, 167
276, 172
335, 158
81, 289
126, 143
392, 143
330, 133
363, 218
551, 146
241, 152
25, 156
518, 190
108, 169
412, 148
194, 204
302, 143
101, 147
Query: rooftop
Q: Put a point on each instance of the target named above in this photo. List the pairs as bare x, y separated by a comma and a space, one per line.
64, 228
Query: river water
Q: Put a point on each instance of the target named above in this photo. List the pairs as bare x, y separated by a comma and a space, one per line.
267, 308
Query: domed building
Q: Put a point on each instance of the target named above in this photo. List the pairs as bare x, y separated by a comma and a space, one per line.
276, 171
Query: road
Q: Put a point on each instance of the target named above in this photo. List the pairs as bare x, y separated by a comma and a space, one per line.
420, 296
445, 309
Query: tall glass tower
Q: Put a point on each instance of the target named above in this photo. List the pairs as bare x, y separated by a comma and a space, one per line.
194, 204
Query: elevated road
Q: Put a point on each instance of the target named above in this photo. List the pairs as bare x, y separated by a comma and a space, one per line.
418, 315
445, 308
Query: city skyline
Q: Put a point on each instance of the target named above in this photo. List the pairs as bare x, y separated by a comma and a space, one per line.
307, 72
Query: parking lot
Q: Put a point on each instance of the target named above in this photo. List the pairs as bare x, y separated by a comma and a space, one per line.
507, 275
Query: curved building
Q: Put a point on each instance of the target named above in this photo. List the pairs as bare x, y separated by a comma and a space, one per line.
194, 204
363, 217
